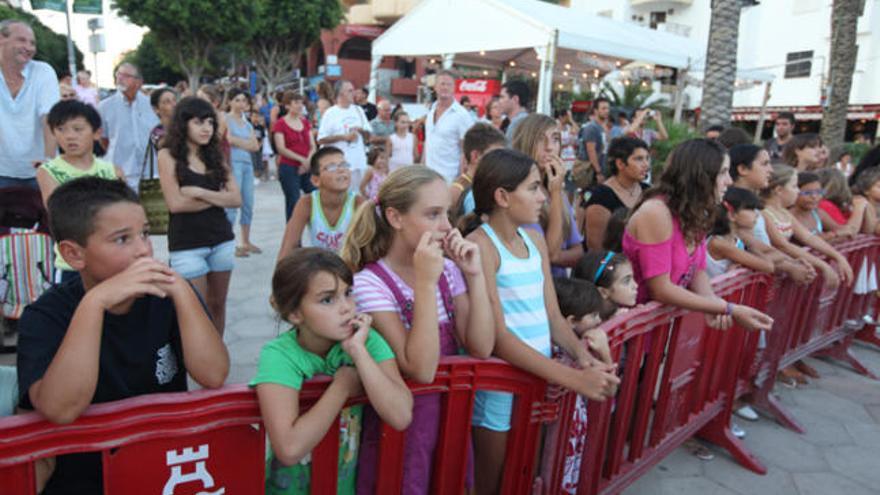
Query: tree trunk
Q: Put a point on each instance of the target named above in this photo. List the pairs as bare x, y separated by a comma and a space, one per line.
844, 24
720, 70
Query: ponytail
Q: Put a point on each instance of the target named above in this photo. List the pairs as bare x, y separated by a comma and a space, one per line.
368, 238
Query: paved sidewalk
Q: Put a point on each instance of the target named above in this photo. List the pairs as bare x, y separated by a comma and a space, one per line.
839, 454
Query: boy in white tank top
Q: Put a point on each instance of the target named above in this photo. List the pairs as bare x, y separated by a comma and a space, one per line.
327, 211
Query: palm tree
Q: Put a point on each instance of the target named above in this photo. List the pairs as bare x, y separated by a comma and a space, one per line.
633, 96
720, 71
844, 20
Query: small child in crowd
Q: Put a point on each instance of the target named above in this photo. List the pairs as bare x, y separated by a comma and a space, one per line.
478, 140
612, 273
311, 290
868, 187
508, 194
75, 126
806, 209
377, 159
403, 147
327, 211
779, 195
738, 212
585, 309
128, 326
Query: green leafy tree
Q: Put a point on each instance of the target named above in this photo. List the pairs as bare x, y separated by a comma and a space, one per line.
153, 67
632, 97
283, 30
51, 46
188, 32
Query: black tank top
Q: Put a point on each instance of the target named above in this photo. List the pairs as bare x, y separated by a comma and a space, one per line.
198, 229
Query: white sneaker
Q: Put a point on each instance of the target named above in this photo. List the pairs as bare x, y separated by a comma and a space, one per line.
737, 431
747, 413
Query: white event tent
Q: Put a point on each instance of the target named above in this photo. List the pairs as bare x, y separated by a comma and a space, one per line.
529, 35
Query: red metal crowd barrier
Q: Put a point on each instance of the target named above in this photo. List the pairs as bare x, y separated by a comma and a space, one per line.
676, 382
810, 321
213, 441
679, 379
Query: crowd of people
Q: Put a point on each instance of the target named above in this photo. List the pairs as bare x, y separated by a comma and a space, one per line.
513, 236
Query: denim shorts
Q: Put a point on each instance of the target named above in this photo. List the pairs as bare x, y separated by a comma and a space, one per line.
492, 410
194, 263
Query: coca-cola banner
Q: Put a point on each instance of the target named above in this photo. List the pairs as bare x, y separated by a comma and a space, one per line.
478, 91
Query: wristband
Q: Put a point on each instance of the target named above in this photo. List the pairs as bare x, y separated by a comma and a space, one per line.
729, 309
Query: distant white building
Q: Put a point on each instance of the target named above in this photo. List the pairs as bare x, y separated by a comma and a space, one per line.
789, 39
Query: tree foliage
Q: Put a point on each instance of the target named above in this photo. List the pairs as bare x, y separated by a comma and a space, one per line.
153, 67
187, 32
51, 46
283, 30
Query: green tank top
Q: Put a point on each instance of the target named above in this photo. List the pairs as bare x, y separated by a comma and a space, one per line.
59, 169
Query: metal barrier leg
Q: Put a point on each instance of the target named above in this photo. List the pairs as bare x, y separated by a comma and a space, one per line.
868, 335
769, 404
718, 432
841, 351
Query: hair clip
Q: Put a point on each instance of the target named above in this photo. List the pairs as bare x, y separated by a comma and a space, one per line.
602, 266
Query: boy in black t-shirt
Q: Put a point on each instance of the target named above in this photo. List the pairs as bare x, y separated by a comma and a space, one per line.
129, 326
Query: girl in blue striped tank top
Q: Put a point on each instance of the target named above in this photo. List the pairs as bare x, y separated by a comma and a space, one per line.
508, 194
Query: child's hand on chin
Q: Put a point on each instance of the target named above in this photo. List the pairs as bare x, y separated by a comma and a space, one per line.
356, 341
145, 276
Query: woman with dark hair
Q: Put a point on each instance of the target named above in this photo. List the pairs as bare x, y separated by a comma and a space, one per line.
870, 160
494, 115
163, 101
295, 145
665, 237
197, 185
803, 152
243, 141
629, 162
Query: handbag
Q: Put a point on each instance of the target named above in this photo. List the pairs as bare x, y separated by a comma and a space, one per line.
150, 195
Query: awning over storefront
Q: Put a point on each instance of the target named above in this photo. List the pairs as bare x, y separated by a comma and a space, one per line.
531, 35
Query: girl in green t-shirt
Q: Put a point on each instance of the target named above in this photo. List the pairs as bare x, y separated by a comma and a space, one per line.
311, 290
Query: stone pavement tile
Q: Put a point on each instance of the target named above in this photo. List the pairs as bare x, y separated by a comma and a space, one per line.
681, 464
874, 411
867, 435
646, 485
852, 387
822, 431
783, 448
731, 475
827, 404
690, 485
828, 484
860, 463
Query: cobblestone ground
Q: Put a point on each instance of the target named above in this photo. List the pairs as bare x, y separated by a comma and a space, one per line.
839, 454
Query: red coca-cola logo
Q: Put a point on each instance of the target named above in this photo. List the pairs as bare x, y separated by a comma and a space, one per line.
473, 85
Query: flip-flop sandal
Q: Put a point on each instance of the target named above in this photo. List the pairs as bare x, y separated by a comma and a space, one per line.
699, 451
254, 249
241, 252
786, 381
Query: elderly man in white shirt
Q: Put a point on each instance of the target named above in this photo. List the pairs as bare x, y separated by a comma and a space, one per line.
445, 127
28, 90
128, 120
345, 126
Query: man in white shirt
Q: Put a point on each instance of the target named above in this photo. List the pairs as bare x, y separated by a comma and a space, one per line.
128, 120
345, 126
445, 127
28, 90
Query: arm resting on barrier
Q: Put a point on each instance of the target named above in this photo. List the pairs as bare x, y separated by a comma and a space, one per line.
798, 253
805, 237
724, 249
292, 435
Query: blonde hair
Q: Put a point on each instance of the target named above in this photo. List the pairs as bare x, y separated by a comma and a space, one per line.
836, 189
780, 176
369, 236
528, 138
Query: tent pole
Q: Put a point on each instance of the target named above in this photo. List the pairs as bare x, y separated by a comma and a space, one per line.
759, 129
375, 62
545, 83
